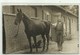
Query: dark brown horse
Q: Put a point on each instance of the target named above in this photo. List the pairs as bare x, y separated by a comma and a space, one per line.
34, 28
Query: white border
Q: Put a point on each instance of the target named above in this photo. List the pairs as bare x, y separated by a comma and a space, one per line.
41, 1
9, 3
1, 29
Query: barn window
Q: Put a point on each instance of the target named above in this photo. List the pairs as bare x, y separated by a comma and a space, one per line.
42, 14
35, 9
13, 9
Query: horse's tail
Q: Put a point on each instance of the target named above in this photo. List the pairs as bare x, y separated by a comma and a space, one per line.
48, 27
48, 24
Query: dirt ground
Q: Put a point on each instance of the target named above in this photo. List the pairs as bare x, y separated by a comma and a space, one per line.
69, 46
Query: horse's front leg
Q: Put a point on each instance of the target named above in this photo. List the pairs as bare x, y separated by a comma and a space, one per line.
34, 38
29, 40
43, 42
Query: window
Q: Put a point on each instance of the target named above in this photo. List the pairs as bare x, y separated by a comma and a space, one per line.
35, 9
42, 15
13, 9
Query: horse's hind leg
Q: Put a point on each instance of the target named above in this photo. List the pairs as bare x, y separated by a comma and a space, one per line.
47, 36
43, 42
29, 40
34, 38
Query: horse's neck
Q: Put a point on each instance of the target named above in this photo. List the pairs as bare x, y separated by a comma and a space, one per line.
26, 21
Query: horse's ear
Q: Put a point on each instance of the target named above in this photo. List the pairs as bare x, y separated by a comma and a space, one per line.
17, 10
20, 10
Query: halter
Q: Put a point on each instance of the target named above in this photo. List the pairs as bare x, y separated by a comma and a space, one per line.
18, 24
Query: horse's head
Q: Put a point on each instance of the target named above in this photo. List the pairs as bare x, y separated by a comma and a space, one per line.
19, 17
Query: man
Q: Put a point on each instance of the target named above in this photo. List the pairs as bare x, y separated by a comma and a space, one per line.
59, 34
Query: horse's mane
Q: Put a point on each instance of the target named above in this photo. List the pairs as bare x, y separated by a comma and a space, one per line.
25, 16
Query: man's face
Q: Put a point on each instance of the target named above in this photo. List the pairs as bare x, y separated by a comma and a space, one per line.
59, 20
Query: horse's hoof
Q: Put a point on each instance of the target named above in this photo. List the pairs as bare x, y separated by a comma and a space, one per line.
37, 51
30, 51
46, 49
59, 50
42, 50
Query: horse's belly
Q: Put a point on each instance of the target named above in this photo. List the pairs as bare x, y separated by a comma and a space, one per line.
36, 30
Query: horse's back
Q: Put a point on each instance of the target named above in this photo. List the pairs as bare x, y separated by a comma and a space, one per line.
44, 26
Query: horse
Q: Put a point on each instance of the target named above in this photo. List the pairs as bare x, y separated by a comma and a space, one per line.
33, 28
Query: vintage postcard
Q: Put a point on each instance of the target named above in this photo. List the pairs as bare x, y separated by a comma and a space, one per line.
40, 29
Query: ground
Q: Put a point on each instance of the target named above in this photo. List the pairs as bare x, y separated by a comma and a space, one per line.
69, 46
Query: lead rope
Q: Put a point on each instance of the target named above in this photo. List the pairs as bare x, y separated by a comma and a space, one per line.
17, 31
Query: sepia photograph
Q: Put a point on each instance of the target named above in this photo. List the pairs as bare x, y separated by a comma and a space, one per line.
40, 29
